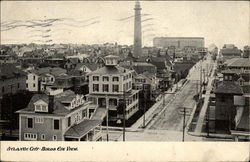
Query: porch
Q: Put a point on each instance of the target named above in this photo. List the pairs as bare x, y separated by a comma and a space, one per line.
87, 130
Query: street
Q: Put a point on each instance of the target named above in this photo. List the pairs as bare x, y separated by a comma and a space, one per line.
166, 121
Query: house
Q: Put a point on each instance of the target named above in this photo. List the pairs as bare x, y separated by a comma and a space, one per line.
86, 67
59, 117
32, 81
12, 79
111, 85
164, 69
47, 76
71, 63
147, 84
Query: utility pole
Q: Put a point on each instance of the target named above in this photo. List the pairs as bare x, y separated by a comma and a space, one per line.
107, 118
144, 104
208, 111
200, 81
124, 110
184, 119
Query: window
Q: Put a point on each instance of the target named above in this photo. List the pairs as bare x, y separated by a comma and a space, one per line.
105, 78
95, 78
115, 79
226, 77
34, 77
30, 122
84, 113
230, 77
105, 88
34, 85
54, 138
95, 87
39, 120
52, 79
115, 88
69, 121
18, 85
56, 124
43, 137
30, 136
26, 85
41, 108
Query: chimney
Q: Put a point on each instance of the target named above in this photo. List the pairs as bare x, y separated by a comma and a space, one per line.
51, 104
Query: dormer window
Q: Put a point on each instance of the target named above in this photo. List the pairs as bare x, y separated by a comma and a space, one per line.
41, 106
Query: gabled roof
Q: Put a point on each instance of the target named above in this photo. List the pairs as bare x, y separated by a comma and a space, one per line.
91, 66
228, 87
73, 60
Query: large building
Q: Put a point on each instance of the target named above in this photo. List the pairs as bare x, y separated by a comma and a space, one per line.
230, 51
59, 117
179, 42
110, 85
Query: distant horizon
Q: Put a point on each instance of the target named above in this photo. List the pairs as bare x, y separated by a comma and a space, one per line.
94, 22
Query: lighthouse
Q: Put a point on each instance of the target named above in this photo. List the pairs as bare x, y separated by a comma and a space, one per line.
137, 31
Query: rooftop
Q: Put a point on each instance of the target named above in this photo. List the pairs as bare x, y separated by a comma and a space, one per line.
240, 62
82, 128
228, 87
109, 70
58, 109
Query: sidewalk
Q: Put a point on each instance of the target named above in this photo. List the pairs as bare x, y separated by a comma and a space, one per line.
202, 114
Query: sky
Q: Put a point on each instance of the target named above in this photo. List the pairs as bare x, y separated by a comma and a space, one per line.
97, 22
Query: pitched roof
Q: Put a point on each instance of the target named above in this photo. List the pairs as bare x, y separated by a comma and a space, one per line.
56, 71
58, 109
110, 70
82, 128
240, 62
91, 66
141, 67
228, 87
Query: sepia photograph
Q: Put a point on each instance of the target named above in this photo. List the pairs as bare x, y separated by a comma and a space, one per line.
124, 71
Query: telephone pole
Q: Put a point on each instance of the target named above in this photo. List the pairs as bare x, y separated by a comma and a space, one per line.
107, 118
124, 111
184, 119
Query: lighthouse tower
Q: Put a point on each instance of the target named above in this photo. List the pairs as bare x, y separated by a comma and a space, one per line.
137, 31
